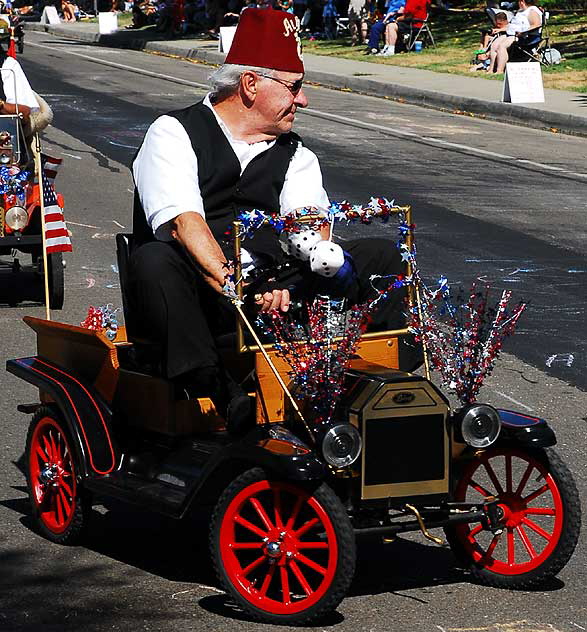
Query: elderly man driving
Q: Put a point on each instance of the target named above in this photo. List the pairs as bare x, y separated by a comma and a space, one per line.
196, 170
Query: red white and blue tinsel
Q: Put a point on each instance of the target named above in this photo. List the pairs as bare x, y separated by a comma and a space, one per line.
103, 319
462, 336
13, 182
320, 350
377, 207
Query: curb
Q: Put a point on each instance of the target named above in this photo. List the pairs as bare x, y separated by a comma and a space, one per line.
503, 112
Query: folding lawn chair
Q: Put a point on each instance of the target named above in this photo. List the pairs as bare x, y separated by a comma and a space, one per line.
418, 13
534, 45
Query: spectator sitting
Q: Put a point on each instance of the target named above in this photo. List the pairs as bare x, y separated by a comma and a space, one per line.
164, 16
357, 14
68, 10
143, 13
233, 11
195, 16
528, 17
414, 10
482, 57
394, 8
329, 15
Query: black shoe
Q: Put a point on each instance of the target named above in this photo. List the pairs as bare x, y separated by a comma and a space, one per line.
229, 399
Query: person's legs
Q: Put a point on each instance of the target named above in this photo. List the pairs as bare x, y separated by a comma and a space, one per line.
391, 34
390, 39
364, 31
498, 53
381, 257
375, 36
502, 53
166, 308
377, 256
354, 28
171, 305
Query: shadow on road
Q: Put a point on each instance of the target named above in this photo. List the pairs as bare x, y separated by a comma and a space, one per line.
177, 552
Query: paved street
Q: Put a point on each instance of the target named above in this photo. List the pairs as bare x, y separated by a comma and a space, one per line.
488, 206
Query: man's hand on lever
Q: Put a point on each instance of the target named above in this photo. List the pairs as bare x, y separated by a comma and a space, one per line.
192, 232
273, 299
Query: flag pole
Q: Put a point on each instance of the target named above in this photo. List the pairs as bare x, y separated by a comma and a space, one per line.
38, 167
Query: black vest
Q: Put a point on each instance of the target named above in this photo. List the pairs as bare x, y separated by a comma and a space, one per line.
3, 57
225, 192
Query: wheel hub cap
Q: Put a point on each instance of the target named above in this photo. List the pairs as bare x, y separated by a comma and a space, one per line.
48, 475
273, 549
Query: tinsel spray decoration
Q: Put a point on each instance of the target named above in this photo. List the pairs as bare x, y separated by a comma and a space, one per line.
320, 351
102, 319
463, 336
13, 181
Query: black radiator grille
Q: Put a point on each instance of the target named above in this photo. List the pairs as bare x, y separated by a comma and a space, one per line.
404, 449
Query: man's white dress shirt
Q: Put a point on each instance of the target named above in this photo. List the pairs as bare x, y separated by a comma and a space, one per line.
166, 173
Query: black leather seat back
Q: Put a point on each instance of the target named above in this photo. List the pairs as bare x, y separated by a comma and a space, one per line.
123, 250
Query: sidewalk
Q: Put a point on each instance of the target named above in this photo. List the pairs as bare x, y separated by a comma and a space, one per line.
564, 111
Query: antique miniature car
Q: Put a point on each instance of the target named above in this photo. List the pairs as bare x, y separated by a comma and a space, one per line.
20, 224
287, 502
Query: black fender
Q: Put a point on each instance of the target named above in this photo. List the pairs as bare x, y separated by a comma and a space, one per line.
524, 430
88, 417
271, 447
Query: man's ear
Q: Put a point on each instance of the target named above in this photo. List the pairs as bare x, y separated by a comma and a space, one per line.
249, 85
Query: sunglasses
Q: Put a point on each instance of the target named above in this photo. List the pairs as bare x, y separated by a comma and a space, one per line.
293, 86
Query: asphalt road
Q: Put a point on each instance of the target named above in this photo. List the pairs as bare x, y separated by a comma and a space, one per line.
488, 206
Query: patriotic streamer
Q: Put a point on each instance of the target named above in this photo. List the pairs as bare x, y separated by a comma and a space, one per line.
377, 207
319, 351
13, 181
103, 319
463, 336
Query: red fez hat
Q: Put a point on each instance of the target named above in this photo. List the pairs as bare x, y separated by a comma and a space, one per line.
269, 39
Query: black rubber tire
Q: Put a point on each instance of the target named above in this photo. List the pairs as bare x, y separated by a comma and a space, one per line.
346, 553
81, 501
562, 552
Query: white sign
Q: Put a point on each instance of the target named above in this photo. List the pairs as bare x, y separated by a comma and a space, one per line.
49, 15
226, 37
107, 22
523, 83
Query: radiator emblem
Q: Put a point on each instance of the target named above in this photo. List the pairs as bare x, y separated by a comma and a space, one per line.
403, 397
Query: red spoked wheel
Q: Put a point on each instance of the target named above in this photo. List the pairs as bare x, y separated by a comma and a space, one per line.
60, 509
541, 517
284, 553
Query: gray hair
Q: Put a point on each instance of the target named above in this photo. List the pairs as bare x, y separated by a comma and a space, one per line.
224, 81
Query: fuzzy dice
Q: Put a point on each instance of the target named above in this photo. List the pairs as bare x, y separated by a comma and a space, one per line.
326, 258
299, 245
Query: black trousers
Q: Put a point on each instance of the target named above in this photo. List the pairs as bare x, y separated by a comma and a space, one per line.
173, 306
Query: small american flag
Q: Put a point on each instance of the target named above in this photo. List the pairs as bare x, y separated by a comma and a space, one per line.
56, 234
